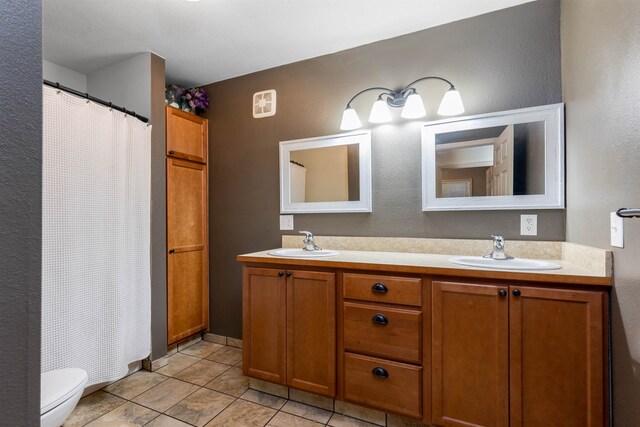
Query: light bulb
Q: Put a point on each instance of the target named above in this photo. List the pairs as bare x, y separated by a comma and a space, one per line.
350, 120
380, 112
413, 107
451, 104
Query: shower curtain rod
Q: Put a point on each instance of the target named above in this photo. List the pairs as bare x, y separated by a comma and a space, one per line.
97, 100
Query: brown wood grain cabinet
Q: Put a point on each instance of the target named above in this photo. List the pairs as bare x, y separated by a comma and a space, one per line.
517, 355
443, 350
264, 324
289, 329
557, 362
469, 354
187, 233
187, 135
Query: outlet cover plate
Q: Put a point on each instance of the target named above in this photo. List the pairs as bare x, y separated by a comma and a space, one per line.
528, 225
617, 231
286, 222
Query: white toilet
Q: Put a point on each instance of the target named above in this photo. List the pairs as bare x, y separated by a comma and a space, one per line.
60, 391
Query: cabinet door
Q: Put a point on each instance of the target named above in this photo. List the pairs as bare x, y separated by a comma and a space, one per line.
470, 339
311, 332
187, 135
557, 367
264, 305
187, 241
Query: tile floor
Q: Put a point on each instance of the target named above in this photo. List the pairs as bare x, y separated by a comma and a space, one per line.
202, 385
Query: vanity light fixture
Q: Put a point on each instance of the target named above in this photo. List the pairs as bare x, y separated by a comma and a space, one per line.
407, 98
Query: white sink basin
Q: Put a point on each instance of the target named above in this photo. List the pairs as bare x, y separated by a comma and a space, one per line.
301, 253
505, 264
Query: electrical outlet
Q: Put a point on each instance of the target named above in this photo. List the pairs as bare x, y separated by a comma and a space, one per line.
617, 231
286, 222
528, 225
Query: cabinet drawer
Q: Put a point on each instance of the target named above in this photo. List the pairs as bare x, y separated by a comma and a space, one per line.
389, 386
383, 331
388, 289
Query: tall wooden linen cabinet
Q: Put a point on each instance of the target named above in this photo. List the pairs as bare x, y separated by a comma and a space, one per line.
187, 224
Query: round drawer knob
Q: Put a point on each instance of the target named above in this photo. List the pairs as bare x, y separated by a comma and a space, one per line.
380, 372
516, 292
502, 293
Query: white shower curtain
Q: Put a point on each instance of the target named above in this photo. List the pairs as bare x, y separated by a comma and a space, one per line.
96, 311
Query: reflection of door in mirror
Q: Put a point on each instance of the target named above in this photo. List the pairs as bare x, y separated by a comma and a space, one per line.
503, 163
502, 160
327, 174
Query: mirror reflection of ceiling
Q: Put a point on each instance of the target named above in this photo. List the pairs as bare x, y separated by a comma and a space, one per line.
213, 40
469, 135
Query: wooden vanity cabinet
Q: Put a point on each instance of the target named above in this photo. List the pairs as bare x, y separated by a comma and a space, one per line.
289, 328
517, 355
490, 350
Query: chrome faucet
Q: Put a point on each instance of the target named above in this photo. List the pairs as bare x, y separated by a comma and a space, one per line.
310, 245
498, 249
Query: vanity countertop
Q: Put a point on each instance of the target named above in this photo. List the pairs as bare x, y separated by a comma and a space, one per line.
431, 264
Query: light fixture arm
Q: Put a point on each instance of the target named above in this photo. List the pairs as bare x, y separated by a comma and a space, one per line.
409, 86
388, 92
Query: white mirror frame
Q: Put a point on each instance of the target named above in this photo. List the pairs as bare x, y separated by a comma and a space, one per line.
554, 197
362, 138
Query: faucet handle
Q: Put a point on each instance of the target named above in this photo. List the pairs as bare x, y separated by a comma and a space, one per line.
498, 241
307, 235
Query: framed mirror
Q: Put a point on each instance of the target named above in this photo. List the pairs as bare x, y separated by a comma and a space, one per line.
505, 160
326, 174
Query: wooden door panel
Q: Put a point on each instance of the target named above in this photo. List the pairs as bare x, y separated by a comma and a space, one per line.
470, 339
264, 306
557, 366
186, 203
311, 332
187, 135
187, 242
187, 314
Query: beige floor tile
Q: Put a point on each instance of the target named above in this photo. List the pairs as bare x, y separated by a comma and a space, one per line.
306, 411
202, 372
227, 355
264, 399
243, 413
398, 421
230, 382
338, 420
282, 419
202, 349
135, 384
127, 415
166, 394
176, 363
165, 421
200, 407
93, 406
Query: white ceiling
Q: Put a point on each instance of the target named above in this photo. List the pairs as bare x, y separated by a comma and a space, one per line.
213, 40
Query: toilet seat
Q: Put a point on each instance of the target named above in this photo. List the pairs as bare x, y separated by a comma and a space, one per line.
59, 385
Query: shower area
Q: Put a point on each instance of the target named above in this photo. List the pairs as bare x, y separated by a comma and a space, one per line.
96, 296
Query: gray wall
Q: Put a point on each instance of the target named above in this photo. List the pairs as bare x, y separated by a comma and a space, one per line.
138, 84
601, 58
20, 210
65, 76
499, 61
